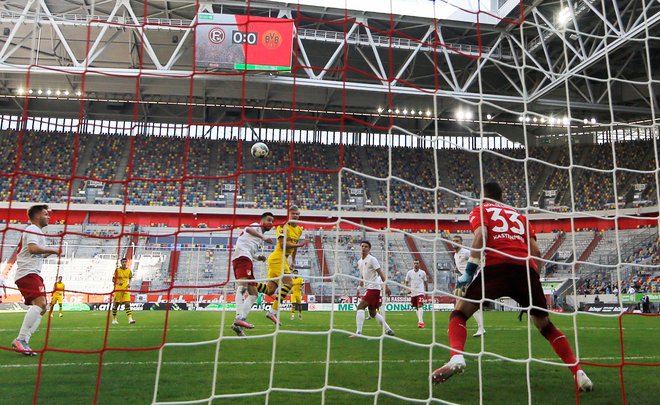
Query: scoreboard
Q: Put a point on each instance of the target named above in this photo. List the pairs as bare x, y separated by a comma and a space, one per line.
243, 42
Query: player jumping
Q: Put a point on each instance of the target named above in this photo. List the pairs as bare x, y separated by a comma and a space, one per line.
245, 252
288, 242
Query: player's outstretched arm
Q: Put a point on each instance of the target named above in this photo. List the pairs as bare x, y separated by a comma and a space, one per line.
256, 234
296, 245
35, 249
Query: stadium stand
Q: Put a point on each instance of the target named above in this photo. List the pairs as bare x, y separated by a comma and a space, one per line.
49, 154
158, 163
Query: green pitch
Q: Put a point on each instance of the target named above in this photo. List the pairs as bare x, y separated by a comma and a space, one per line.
299, 369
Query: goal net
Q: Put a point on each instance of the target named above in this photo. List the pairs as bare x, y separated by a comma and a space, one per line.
134, 121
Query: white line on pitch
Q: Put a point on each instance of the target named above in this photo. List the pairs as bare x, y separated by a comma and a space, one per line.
289, 362
228, 324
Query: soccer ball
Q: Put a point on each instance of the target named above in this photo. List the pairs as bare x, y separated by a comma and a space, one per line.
259, 150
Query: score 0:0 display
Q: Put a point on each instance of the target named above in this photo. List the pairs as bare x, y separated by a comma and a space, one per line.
240, 37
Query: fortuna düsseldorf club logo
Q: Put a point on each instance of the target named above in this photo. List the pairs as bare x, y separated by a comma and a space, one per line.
216, 35
272, 39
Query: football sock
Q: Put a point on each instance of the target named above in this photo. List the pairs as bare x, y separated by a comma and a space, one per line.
284, 291
381, 321
238, 301
560, 345
457, 332
359, 320
262, 288
114, 310
128, 310
35, 324
420, 316
247, 305
30, 323
478, 316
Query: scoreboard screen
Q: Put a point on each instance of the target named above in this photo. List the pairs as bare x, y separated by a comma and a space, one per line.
243, 42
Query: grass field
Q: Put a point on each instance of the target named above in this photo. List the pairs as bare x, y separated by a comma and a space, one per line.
299, 366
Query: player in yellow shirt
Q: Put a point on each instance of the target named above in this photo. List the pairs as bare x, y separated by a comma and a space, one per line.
288, 242
58, 296
122, 279
296, 295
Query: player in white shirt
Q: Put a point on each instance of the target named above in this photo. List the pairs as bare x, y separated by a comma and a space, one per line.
372, 278
4, 288
417, 283
461, 257
247, 246
29, 262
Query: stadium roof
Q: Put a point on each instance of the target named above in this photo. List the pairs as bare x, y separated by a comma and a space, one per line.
470, 11
580, 61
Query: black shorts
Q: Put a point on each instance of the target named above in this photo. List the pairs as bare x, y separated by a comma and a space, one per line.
509, 280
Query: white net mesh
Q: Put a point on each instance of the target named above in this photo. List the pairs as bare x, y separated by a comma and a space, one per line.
390, 122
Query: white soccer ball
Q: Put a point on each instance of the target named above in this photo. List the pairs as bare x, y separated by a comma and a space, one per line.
259, 150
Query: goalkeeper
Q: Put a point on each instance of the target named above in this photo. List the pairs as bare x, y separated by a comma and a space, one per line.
508, 271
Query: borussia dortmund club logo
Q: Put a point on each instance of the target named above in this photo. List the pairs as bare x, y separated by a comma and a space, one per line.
272, 39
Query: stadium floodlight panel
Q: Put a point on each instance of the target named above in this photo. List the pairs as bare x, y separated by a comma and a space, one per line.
564, 17
487, 11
